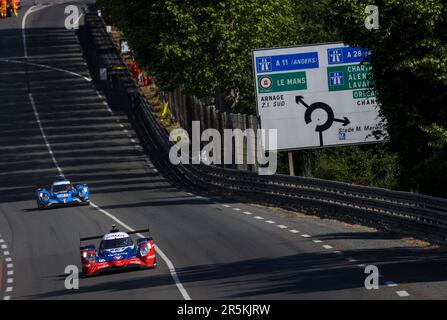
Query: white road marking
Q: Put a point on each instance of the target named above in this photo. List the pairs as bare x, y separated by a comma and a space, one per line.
361, 265
281, 226
247, 213
226, 206
36, 114
6, 298
4, 246
305, 236
259, 218
8, 259
42, 132
133, 140
30, 10
294, 231
390, 284
402, 293
160, 252
236, 209
10, 280
317, 241
339, 253
9, 266
8, 289
326, 246
1, 240
270, 221
10, 273
6, 253
44, 66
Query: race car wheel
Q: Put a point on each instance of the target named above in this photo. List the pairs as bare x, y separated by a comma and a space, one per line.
86, 203
40, 206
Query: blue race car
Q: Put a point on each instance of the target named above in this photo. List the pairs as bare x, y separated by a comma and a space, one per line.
62, 193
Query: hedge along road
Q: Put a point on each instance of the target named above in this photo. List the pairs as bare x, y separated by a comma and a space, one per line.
219, 249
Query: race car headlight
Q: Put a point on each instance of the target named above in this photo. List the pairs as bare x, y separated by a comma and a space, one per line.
90, 257
145, 250
44, 196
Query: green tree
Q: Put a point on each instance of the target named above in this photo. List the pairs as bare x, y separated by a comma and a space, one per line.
204, 47
409, 59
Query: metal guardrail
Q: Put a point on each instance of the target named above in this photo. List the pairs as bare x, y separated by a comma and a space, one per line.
419, 215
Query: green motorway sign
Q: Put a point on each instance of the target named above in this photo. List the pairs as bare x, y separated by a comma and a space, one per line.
280, 82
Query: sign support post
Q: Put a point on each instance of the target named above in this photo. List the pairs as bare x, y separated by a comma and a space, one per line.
291, 166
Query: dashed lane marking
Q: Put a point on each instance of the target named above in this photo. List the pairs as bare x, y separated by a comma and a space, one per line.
402, 293
326, 246
168, 262
390, 284
281, 226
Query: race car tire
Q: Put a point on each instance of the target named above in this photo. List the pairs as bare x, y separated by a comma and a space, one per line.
85, 203
40, 206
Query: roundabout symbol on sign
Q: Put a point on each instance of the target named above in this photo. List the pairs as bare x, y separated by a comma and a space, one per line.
325, 124
266, 82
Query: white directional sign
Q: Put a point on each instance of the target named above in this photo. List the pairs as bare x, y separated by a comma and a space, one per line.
316, 96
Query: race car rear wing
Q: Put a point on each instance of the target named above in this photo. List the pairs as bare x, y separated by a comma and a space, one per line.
114, 230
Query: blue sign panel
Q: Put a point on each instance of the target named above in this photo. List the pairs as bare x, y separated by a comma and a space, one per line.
346, 55
286, 62
336, 78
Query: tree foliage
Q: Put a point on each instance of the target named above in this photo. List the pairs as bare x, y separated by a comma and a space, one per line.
204, 47
409, 59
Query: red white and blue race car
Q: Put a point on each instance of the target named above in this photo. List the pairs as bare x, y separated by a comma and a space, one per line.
117, 251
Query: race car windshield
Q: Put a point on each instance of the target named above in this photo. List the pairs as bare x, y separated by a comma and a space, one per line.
116, 243
62, 187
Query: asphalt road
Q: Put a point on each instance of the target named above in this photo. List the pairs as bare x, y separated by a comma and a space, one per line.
220, 249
